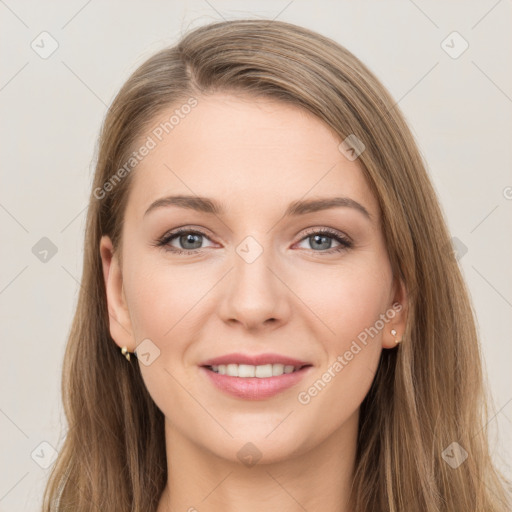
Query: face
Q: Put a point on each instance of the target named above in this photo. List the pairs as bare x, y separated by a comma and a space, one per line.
262, 274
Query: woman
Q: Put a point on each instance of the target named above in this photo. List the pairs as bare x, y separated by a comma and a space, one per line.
314, 347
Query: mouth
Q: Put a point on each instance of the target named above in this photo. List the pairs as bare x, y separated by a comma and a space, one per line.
254, 382
263, 371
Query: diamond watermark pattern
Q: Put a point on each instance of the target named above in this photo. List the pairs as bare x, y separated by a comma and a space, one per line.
454, 45
351, 147
454, 455
147, 352
249, 454
249, 249
44, 455
44, 250
459, 248
44, 45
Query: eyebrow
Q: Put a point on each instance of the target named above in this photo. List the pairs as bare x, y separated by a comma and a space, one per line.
301, 207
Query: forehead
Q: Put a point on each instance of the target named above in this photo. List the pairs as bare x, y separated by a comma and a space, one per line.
253, 154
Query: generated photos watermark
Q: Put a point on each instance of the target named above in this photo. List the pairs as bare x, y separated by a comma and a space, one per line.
305, 397
152, 141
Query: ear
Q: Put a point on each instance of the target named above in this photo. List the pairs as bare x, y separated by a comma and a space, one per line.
398, 322
119, 318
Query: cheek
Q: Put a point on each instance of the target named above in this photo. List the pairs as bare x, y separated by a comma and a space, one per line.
164, 303
161, 299
347, 299
351, 304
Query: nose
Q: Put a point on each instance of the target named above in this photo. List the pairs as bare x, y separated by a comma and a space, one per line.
254, 294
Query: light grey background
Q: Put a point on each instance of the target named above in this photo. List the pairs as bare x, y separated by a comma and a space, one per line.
460, 111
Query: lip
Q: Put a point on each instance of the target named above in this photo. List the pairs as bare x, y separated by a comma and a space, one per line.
255, 388
254, 360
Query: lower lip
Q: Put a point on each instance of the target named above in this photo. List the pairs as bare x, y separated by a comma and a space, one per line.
254, 388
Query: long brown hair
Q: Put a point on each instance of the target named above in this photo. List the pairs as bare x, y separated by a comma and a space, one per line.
426, 395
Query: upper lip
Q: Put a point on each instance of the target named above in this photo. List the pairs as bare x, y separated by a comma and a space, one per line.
255, 360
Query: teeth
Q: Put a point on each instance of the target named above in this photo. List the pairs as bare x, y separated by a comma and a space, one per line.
248, 370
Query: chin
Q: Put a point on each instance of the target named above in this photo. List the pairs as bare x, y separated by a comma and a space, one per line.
254, 445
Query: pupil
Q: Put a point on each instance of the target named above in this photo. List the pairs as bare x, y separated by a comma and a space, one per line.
320, 238
190, 239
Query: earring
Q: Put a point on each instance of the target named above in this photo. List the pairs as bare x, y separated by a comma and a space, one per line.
125, 352
393, 332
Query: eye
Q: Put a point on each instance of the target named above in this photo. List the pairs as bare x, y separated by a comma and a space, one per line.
322, 239
189, 240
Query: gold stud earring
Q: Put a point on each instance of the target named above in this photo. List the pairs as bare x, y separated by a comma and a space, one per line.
125, 353
393, 332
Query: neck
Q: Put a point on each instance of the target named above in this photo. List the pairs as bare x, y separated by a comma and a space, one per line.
318, 478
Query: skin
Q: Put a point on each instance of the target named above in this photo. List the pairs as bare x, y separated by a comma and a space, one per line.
255, 156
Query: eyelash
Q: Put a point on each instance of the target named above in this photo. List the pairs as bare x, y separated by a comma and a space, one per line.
163, 242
